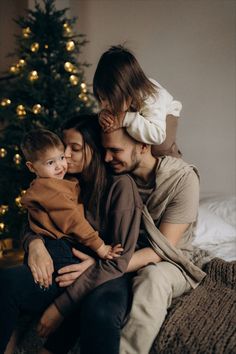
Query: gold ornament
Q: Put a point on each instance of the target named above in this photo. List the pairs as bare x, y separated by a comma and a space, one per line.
2, 226
3, 209
83, 87
20, 110
70, 45
17, 159
33, 75
26, 32
37, 108
74, 80
5, 102
3, 153
34, 47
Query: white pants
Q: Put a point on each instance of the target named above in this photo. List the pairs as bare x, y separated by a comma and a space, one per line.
154, 287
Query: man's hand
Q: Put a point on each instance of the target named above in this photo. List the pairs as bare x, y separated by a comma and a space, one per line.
68, 274
40, 263
50, 321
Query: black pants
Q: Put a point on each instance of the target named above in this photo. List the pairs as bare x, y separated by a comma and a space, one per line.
98, 321
19, 293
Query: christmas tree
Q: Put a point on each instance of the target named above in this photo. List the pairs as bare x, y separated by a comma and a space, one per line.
44, 87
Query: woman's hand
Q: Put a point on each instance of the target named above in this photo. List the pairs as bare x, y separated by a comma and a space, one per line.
40, 263
68, 274
50, 321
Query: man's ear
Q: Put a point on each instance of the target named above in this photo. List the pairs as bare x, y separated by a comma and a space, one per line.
144, 148
30, 166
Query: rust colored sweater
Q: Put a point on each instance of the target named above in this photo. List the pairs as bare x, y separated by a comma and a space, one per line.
55, 210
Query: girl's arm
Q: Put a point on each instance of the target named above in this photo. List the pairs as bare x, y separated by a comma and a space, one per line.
149, 125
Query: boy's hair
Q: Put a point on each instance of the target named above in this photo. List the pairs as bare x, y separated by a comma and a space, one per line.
119, 76
37, 141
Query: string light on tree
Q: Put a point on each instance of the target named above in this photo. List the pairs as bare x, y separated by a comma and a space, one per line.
74, 80
14, 69
22, 62
3, 153
3, 209
67, 29
2, 226
26, 32
33, 75
83, 87
20, 111
34, 47
70, 46
17, 159
37, 108
5, 102
69, 67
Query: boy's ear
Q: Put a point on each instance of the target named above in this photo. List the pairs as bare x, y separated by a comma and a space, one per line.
30, 166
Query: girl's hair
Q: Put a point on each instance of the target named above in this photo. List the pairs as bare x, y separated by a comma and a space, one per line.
37, 141
119, 76
93, 179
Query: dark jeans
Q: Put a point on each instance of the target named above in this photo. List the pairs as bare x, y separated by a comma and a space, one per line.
98, 321
19, 293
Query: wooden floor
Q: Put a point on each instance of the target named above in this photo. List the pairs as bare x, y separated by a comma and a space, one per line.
11, 258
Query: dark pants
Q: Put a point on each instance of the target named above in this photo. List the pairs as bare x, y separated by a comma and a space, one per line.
98, 321
19, 293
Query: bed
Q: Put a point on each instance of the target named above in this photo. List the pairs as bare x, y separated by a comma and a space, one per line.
204, 320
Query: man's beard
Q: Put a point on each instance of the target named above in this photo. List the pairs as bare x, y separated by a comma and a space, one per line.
132, 168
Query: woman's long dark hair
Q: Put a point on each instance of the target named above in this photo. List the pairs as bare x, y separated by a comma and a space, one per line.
93, 179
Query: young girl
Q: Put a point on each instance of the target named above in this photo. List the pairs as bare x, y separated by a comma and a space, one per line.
129, 99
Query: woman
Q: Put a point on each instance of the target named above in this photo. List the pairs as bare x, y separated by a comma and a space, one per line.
113, 207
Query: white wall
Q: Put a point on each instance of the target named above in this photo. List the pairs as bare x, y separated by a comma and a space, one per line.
189, 47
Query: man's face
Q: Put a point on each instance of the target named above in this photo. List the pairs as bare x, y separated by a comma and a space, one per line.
122, 154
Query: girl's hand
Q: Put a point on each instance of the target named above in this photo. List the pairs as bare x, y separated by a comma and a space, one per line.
68, 274
50, 321
40, 263
116, 251
106, 119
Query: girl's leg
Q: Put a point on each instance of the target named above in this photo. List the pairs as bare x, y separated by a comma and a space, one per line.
19, 293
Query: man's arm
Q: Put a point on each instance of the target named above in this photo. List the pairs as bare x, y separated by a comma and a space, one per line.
145, 256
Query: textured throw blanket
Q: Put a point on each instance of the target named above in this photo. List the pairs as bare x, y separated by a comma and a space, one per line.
202, 321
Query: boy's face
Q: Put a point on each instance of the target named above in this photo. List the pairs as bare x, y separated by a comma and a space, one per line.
51, 163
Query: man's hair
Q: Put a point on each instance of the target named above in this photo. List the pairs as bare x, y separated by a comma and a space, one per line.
119, 76
37, 141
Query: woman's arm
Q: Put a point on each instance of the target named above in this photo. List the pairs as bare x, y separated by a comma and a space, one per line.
123, 214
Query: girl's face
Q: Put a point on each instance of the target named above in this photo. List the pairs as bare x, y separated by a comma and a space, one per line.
104, 104
77, 155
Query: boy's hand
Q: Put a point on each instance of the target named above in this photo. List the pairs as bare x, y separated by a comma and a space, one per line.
109, 252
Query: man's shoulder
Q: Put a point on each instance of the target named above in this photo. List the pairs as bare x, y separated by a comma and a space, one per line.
172, 165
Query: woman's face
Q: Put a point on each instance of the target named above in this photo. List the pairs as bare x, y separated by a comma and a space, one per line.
77, 155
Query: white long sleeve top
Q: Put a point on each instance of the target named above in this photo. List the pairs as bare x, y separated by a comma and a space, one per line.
149, 125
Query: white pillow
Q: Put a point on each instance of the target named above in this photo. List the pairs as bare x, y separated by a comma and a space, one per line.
212, 229
224, 207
